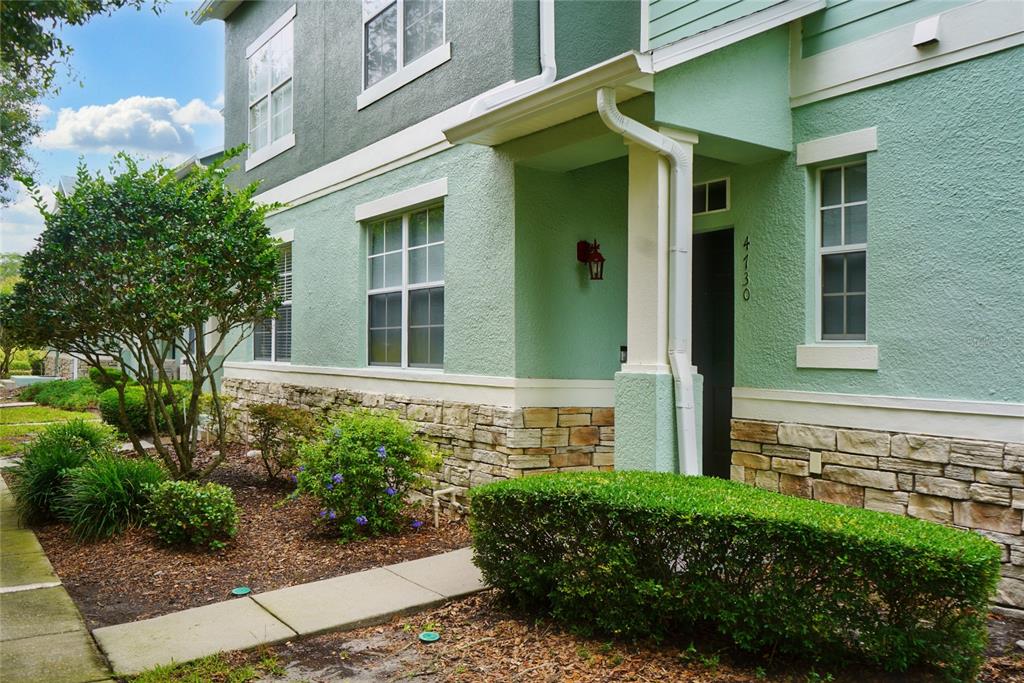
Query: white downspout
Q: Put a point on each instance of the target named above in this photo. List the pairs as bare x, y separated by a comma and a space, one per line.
547, 66
679, 289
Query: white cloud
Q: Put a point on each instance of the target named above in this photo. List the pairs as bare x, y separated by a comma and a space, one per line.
21, 223
197, 112
140, 124
218, 101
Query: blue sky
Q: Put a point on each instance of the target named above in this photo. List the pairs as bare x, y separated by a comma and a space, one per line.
151, 84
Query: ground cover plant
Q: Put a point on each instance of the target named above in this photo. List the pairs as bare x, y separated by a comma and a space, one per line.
638, 553
360, 470
67, 394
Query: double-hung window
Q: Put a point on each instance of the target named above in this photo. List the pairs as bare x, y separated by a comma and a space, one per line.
842, 251
406, 290
272, 338
398, 32
271, 62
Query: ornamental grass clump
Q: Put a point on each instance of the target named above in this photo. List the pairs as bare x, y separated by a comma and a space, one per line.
108, 494
360, 470
641, 553
39, 481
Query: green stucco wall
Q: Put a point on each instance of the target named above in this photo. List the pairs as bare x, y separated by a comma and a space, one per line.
329, 262
568, 326
945, 284
740, 92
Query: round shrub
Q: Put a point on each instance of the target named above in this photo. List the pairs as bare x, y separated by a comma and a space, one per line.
107, 494
360, 469
40, 478
642, 553
135, 406
21, 367
107, 377
185, 512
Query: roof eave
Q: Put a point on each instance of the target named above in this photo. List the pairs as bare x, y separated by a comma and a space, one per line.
214, 9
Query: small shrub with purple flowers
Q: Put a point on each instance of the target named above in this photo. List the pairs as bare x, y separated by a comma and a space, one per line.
360, 469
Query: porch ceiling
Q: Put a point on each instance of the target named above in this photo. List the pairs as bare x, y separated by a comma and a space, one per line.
630, 74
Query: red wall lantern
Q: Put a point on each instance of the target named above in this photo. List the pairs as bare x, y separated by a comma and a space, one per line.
590, 253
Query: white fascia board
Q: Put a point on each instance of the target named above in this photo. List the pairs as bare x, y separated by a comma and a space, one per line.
433, 59
837, 146
434, 384
838, 356
271, 31
966, 32
402, 201
686, 49
989, 421
214, 9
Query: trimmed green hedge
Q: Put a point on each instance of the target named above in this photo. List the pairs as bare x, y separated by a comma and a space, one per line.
643, 553
135, 406
68, 394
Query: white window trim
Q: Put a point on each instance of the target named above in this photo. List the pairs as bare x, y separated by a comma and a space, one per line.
404, 201
286, 142
404, 288
837, 146
838, 356
820, 251
728, 195
404, 73
276, 147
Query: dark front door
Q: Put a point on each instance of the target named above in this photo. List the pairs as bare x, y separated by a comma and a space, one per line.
713, 342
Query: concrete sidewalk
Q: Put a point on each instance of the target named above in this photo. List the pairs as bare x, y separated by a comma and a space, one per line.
340, 603
42, 635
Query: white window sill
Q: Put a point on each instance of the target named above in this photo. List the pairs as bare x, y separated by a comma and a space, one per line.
410, 72
838, 356
270, 151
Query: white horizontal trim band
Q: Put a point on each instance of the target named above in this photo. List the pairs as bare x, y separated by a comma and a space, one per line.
276, 147
512, 392
990, 421
402, 201
837, 146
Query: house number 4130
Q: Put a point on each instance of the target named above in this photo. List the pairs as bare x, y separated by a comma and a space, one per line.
746, 269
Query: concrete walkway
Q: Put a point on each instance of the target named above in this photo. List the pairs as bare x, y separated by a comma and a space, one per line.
340, 603
42, 635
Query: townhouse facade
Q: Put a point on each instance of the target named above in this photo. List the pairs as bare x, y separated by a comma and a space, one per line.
771, 240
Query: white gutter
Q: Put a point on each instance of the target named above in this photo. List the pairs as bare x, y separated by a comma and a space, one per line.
679, 287
548, 68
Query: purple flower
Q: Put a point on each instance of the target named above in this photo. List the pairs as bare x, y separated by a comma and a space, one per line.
302, 468
382, 452
295, 480
361, 520
323, 513
416, 524
330, 487
331, 514
337, 478
390, 491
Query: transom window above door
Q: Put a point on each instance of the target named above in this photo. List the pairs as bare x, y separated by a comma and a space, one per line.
405, 272
396, 33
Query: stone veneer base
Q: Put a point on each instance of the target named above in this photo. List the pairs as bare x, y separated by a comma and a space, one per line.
974, 485
479, 443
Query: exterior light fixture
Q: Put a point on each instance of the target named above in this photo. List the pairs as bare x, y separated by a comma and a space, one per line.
590, 253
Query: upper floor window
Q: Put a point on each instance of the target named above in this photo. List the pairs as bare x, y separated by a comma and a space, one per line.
272, 338
843, 250
406, 290
271, 62
397, 33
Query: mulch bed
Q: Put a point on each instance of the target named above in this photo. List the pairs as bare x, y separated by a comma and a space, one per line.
132, 576
482, 639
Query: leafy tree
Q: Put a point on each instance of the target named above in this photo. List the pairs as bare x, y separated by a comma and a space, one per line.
127, 266
8, 342
30, 54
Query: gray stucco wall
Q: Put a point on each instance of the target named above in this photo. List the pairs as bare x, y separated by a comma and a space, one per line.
493, 42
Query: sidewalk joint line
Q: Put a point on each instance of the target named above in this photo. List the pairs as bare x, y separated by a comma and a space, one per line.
429, 590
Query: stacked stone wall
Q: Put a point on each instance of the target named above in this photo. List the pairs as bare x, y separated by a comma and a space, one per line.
970, 484
479, 443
